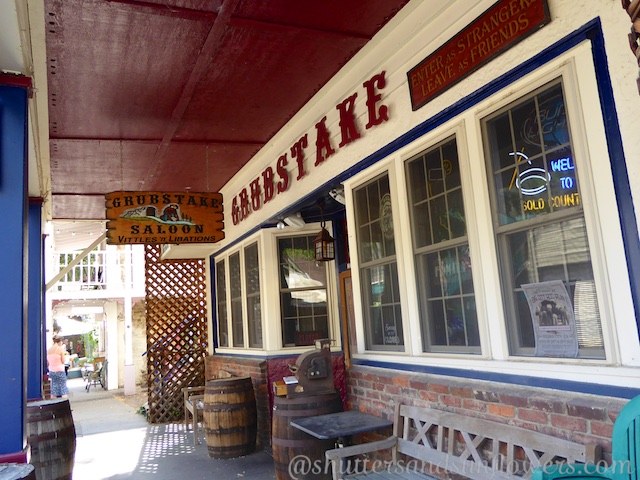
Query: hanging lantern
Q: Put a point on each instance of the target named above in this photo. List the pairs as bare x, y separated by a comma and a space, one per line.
324, 246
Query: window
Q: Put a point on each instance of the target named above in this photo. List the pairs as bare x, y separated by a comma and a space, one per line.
221, 297
252, 280
378, 266
235, 281
303, 292
238, 298
547, 276
448, 318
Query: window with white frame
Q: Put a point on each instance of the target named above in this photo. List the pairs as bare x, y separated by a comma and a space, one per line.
252, 281
378, 266
235, 289
448, 318
221, 299
303, 292
546, 267
238, 297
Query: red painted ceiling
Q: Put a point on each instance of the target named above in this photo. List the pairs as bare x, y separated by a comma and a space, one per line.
178, 95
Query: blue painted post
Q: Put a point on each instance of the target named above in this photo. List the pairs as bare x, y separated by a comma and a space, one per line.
35, 304
13, 199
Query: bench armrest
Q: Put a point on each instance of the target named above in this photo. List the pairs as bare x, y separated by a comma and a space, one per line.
336, 455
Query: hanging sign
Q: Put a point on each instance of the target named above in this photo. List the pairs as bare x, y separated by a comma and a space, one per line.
164, 217
496, 30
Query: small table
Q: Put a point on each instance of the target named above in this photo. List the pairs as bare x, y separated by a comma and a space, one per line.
340, 425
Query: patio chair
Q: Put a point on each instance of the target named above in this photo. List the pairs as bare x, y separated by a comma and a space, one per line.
194, 407
98, 375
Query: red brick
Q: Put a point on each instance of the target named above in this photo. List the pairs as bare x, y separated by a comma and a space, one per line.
588, 412
516, 401
601, 429
392, 389
474, 405
419, 385
372, 394
428, 396
436, 387
502, 410
450, 400
535, 416
569, 423
462, 392
401, 381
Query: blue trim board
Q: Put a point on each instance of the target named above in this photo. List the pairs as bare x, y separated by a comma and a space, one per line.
524, 380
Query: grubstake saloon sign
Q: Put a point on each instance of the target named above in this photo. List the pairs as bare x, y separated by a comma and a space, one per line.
164, 217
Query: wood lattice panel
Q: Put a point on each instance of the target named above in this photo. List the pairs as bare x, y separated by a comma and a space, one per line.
176, 331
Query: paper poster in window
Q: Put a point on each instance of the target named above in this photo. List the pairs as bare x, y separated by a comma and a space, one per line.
553, 320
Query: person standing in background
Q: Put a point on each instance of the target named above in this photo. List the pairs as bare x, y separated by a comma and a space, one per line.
57, 374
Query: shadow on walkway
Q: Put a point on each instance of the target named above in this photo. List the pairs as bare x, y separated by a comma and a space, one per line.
114, 442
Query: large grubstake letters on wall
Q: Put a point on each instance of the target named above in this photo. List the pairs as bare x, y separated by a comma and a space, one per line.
277, 179
164, 217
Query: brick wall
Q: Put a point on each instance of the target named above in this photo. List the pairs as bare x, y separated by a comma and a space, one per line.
578, 417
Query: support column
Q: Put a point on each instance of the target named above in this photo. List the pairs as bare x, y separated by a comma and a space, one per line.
129, 368
13, 281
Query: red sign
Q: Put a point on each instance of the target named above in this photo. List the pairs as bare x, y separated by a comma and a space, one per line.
496, 30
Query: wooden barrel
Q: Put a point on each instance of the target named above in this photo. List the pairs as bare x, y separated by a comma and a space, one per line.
52, 437
288, 442
230, 417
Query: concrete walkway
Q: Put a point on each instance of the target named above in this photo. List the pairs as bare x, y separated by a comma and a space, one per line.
114, 442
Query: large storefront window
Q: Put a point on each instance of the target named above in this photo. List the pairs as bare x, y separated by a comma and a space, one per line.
378, 266
221, 298
303, 292
547, 275
447, 303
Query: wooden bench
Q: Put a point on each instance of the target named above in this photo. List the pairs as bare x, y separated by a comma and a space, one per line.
434, 442
194, 407
625, 453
